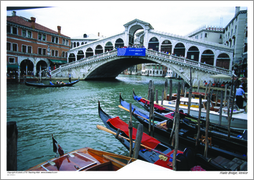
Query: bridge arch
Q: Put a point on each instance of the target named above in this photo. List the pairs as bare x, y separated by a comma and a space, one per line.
207, 57
153, 44
193, 53
166, 46
80, 55
89, 52
71, 57
179, 49
119, 43
98, 49
223, 61
108, 46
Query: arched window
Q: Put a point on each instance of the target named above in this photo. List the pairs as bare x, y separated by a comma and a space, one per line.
98, 49
80, 55
207, 57
89, 52
119, 43
153, 44
108, 46
223, 61
179, 49
166, 46
71, 57
193, 53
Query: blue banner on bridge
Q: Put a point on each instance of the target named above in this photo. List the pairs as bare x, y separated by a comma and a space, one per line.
131, 51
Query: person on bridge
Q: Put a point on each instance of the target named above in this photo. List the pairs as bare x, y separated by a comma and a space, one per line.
239, 96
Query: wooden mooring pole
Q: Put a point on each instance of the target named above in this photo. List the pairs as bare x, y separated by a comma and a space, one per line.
199, 116
221, 105
190, 92
151, 112
177, 119
12, 138
171, 138
170, 89
207, 123
138, 141
130, 131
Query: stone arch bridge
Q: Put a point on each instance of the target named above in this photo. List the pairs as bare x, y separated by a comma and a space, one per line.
98, 59
109, 65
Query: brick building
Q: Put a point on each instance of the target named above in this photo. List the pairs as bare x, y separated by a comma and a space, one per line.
32, 47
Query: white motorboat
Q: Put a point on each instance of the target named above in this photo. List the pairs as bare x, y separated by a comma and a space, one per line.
239, 117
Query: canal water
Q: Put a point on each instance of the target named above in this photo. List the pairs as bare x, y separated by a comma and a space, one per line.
71, 115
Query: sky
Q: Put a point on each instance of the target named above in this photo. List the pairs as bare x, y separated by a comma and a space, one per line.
108, 17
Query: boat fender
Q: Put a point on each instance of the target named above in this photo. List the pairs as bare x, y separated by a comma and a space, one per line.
183, 165
190, 155
169, 124
182, 115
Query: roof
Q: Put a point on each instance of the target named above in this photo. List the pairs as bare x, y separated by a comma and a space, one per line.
27, 22
138, 21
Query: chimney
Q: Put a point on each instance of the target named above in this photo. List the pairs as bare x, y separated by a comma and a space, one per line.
59, 30
13, 13
237, 9
33, 22
98, 34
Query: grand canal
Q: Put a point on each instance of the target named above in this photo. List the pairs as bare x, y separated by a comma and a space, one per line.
71, 115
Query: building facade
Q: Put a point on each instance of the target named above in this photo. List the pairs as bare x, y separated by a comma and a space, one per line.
32, 48
234, 35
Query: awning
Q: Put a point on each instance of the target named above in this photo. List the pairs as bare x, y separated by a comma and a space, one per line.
12, 66
57, 61
220, 76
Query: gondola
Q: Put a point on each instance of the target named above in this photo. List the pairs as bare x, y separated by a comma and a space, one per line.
85, 159
192, 121
219, 144
158, 153
48, 85
146, 104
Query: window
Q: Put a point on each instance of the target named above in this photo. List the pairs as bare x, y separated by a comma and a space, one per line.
8, 29
14, 30
44, 51
41, 37
8, 46
205, 35
29, 34
29, 49
15, 47
56, 53
63, 41
54, 39
220, 36
23, 33
23, 48
11, 60
39, 51
52, 52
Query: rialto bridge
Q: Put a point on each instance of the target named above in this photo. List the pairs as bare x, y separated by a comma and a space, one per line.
99, 59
